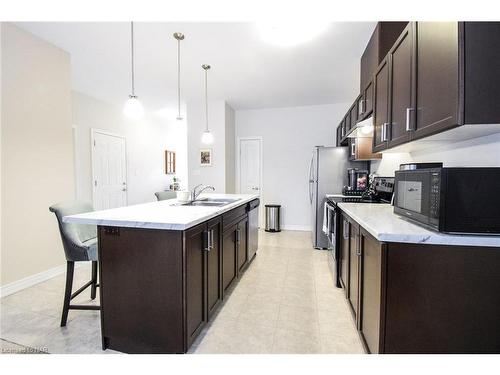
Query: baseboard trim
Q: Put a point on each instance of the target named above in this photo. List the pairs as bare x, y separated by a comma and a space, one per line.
296, 227
16, 286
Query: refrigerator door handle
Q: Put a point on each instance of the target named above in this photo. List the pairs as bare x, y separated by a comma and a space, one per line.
311, 181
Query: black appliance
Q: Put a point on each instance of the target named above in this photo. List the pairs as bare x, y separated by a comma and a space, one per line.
450, 200
379, 191
357, 181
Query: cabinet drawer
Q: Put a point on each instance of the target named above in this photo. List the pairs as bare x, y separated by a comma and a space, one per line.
233, 216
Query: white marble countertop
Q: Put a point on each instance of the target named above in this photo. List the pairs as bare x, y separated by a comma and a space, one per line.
159, 215
382, 223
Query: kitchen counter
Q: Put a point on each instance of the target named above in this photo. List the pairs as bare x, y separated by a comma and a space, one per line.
165, 214
383, 224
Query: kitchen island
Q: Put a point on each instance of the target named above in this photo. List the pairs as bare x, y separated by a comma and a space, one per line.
165, 268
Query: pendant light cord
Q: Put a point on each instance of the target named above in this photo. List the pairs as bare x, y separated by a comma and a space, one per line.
132, 55
179, 77
206, 100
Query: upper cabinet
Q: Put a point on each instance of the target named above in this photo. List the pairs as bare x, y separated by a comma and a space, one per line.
380, 43
441, 75
400, 87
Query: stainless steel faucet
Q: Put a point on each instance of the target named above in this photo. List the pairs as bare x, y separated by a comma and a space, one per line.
195, 194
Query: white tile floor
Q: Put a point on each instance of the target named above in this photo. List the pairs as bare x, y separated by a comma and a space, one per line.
285, 303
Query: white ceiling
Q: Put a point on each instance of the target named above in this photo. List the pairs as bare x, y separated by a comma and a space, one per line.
246, 71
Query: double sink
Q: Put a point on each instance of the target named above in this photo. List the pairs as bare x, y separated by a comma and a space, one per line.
209, 202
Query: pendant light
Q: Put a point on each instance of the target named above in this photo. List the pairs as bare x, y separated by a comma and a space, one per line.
179, 37
133, 107
207, 137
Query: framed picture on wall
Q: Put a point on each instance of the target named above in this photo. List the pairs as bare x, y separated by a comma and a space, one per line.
206, 157
169, 162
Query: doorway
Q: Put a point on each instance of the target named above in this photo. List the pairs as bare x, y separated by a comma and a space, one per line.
250, 168
109, 170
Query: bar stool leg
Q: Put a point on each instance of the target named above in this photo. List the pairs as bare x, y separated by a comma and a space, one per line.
70, 268
93, 287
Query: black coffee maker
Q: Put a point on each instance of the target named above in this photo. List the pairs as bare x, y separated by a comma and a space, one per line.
357, 182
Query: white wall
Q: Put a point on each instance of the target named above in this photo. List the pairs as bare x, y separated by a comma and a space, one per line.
222, 147
37, 152
478, 152
146, 142
230, 149
289, 135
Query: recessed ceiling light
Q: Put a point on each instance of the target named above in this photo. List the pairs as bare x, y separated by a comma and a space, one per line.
287, 34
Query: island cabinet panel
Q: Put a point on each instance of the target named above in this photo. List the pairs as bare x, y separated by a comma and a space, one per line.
214, 266
229, 256
196, 280
141, 290
242, 243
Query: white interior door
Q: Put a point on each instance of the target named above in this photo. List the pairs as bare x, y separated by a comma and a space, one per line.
250, 166
109, 170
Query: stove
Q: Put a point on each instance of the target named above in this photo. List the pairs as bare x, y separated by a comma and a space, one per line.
380, 191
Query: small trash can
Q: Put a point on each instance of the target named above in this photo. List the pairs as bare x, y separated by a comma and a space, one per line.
273, 218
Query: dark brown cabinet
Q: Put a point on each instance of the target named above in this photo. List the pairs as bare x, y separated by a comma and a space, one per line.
437, 69
344, 254
242, 243
214, 266
196, 280
203, 271
441, 75
354, 263
381, 41
229, 256
365, 102
381, 109
353, 115
370, 291
400, 88
420, 298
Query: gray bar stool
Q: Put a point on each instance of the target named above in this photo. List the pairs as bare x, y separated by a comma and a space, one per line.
164, 195
80, 244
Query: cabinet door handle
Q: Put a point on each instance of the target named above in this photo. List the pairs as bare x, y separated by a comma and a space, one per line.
362, 106
237, 236
211, 239
358, 250
346, 230
384, 137
409, 128
207, 240
353, 148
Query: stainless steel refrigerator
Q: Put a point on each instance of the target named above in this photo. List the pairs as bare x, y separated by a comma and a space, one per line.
327, 175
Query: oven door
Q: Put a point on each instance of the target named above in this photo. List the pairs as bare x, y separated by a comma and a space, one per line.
331, 223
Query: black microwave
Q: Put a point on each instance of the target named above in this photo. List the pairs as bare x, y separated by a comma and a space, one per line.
450, 200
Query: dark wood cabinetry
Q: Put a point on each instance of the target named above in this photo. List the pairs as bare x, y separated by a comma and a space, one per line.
380, 43
196, 280
400, 87
214, 266
370, 291
381, 109
436, 78
353, 297
242, 243
365, 102
229, 256
159, 288
420, 298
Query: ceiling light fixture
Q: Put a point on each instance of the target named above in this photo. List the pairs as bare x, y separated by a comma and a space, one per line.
133, 107
206, 137
287, 34
179, 37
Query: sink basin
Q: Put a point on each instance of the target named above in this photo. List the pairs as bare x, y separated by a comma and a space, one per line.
210, 202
